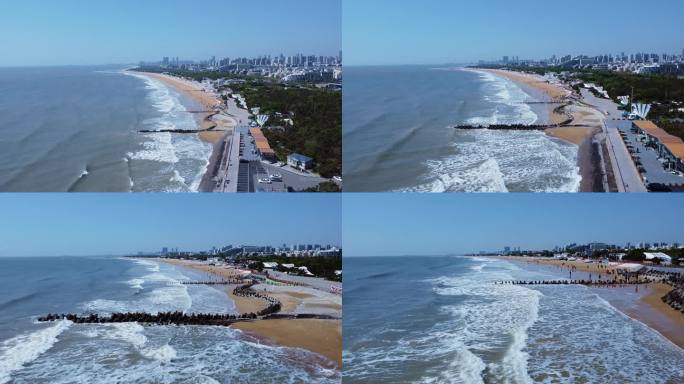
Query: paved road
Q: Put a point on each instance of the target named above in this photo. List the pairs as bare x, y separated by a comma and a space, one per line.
627, 175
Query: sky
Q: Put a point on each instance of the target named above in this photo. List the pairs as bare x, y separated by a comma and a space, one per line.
87, 32
391, 32
118, 224
440, 224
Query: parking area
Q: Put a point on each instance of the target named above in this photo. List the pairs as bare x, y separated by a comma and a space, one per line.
256, 175
645, 158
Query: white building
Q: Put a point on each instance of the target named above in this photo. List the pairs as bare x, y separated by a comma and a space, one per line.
664, 259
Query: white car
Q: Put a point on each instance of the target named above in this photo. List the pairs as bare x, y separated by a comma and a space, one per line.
337, 178
265, 181
276, 177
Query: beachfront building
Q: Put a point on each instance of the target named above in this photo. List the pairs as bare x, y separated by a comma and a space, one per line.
261, 143
670, 148
652, 256
298, 161
270, 264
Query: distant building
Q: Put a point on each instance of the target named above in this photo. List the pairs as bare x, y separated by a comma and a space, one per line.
298, 161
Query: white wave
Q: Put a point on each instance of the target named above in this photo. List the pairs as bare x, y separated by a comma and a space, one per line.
177, 178
23, 349
136, 283
152, 266
166, 295
164, 354
501, 161
449, 176
158, 147
489, 315
504, 91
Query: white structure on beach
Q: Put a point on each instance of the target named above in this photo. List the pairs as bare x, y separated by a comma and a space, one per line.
262, 119
641, 110
664, 259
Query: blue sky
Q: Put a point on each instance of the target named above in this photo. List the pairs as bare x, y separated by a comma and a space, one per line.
438, 31
97, 224
78, 32
437, 224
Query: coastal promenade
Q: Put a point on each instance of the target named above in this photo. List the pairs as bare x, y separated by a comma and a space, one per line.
626, 174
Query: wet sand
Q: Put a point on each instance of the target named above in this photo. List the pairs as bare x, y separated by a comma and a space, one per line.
321, 336
660, 316
649, 309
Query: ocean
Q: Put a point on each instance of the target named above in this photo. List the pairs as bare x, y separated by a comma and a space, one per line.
64, 352
441, 320
76, 129
396, 134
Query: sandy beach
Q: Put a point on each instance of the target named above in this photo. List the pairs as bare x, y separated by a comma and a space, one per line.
649, 309
320, 336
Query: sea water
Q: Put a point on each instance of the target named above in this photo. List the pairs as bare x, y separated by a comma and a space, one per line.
77, 129
64, 352
443, 320
398, 137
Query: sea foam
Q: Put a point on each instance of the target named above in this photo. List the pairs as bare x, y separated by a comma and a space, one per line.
23, 349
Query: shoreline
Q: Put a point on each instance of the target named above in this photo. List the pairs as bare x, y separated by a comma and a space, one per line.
298, 333
649, 309
216, 131
582, 135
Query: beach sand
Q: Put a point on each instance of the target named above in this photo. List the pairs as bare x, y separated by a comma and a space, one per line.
660, 316
650, 309
575, 135
321, 336
552, 90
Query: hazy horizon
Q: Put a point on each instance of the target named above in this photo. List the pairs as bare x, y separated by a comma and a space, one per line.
444, 224
47, 225
386, 32
108, 32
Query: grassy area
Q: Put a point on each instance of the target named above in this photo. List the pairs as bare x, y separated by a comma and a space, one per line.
317, 115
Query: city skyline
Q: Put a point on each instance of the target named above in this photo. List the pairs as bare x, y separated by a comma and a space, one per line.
124, 32
458, 32
423, 225
90, 225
